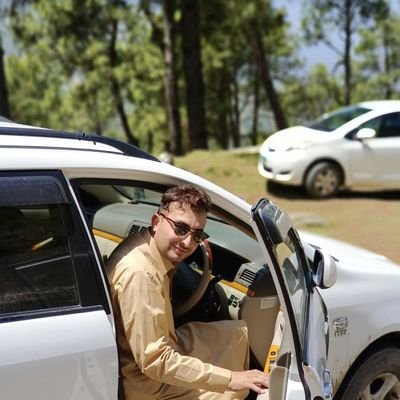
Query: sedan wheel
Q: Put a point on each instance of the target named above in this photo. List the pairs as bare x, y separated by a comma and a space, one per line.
323, 180
377, 378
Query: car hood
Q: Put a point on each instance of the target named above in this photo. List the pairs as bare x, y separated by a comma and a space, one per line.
295, 135
349, 256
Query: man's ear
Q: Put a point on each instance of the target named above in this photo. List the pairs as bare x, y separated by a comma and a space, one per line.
155, 221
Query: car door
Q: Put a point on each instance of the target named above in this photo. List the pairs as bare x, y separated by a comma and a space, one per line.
305, 347
375, 160
56, 332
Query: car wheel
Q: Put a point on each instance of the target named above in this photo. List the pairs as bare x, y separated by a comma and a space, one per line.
376, 378
323, 180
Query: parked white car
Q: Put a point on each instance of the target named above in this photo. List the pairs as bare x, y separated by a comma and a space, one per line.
66, 201
354, 146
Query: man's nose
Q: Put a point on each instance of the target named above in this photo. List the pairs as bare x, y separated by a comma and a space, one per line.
188, 239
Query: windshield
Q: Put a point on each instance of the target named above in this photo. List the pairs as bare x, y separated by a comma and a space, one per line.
331, 121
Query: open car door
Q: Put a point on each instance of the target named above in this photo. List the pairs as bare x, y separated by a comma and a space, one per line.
300, 370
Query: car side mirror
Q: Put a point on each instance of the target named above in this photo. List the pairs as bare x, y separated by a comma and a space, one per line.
324, 269
365, 133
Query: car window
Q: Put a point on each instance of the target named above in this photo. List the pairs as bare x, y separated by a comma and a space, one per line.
331, 121
296, 284
36, 270
385, 126
45, 259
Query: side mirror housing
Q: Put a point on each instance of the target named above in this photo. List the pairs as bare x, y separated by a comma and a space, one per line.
324, 269
365, 133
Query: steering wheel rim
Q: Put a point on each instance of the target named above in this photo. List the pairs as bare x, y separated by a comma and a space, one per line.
202, 286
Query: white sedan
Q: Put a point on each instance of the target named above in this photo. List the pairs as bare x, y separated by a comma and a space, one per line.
355, 146
67, 201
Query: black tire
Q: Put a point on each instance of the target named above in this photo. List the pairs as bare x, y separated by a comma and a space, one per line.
323, 180
376, 378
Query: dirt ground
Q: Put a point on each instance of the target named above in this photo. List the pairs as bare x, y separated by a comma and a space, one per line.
370, 219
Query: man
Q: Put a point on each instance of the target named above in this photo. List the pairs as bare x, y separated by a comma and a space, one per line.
197, 360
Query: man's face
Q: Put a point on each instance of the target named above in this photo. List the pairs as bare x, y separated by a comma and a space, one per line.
171, 246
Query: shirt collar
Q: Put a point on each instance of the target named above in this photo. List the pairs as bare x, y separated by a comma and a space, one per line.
162, 263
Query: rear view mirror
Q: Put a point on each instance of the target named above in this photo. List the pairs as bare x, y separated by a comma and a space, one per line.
324, 269
365, 133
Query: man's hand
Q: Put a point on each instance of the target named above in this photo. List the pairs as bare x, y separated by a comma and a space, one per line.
253, 379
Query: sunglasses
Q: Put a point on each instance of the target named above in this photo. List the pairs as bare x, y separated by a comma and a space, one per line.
181, 229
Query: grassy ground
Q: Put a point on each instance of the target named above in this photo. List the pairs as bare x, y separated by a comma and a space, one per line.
368, 219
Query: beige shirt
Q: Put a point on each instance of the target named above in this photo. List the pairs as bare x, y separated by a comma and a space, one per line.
153, 355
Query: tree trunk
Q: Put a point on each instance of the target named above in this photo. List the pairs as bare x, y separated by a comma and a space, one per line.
4, 106
256, 107
116, 89
170, 80
347, 54
192, 65
265, 77
235, 131
221, 130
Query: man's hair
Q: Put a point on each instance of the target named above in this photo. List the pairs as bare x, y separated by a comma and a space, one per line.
186, 196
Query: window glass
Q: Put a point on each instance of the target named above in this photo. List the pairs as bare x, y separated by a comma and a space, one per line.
385, 126
36, 270
390, 126
331, 121
374, 124
295, 280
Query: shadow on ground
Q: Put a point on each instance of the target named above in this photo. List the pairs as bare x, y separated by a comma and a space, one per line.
298, 193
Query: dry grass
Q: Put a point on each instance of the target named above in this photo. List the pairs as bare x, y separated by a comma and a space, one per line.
367, 219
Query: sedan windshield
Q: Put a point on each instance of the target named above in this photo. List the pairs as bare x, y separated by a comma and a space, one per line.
331, 121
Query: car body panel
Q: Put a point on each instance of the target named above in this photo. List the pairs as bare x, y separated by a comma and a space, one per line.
362, 305
370, 280
70, 353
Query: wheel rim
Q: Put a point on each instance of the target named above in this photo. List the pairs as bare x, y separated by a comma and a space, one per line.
326, 182
385, 386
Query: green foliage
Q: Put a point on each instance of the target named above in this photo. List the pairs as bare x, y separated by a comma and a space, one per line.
325, 20
309, 97
68, 66
72, 40
378, 61
229, 65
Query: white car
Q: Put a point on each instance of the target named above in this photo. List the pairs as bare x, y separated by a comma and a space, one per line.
66, 201
355, 146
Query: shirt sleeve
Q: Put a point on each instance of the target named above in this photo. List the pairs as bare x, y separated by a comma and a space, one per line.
143, 305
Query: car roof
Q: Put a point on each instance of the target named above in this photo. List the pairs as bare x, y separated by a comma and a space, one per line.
18, 135
380, 105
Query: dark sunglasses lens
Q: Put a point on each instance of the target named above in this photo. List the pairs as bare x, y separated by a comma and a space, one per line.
181, 229
199, 237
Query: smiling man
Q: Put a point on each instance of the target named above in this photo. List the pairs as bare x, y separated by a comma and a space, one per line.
197, 360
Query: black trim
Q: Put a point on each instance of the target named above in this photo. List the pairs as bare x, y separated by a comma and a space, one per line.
125, 148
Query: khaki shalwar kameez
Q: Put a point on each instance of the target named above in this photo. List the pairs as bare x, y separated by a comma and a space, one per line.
158, 362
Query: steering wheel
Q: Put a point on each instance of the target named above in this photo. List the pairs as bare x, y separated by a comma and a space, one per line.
201, 288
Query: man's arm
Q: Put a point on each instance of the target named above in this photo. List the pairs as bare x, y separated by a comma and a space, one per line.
148, 324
